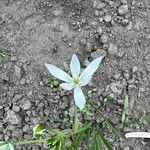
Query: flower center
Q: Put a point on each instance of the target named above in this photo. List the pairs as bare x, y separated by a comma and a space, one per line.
76, 81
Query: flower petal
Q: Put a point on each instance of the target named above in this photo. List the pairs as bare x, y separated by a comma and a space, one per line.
79, 98
75, 66
67, 86
58, 73
137, 135
7, 147
11, 147
91, 68
85, 81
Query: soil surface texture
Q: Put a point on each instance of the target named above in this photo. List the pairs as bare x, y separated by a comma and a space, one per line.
36, 32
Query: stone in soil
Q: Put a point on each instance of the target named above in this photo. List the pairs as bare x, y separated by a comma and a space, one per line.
17, 71
26, 104
104, 39
107, 18
123, 9
99, 5
112, 50
99, 30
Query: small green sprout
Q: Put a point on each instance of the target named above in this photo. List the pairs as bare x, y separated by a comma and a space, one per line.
110, 96
53, 83
125, 109
88, 108
66, 67
146, 118
38, 130
4, 55
134, 126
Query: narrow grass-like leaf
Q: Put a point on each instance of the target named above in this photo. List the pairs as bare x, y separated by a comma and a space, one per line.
4, 55
96, 142
109, 124
100, 142
93, 140
126, 103
110, 96
88, 140
125, 109
77, 141
107, 144
83, 128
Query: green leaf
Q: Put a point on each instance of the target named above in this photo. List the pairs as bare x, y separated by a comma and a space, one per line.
88, 140
53, 83
88, 108
125, 110
107, 144
38, 130
146, 118
99, 141
59, 142
75, 144
84, 127
95, 142
109, 124
4, 55
110, 96
126, 103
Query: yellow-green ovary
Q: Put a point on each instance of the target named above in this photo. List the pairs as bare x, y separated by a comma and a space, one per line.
76, 81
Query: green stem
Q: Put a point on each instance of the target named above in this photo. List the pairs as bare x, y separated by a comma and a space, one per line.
76, 122
30, 142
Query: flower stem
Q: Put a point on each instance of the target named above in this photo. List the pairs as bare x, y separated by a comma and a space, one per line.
76, 120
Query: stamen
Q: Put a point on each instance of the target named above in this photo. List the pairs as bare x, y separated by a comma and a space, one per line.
76, 81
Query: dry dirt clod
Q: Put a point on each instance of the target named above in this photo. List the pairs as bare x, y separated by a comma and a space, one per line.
112, 50
39, 32
12, 117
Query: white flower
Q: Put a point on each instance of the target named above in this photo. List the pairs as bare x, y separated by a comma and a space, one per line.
137, 135
78, 79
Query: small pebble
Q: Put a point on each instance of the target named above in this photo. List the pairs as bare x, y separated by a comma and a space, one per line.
104, 39
107, 18
99, 30
123, 9
112, 50
134, 69
99, 5
26, 105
